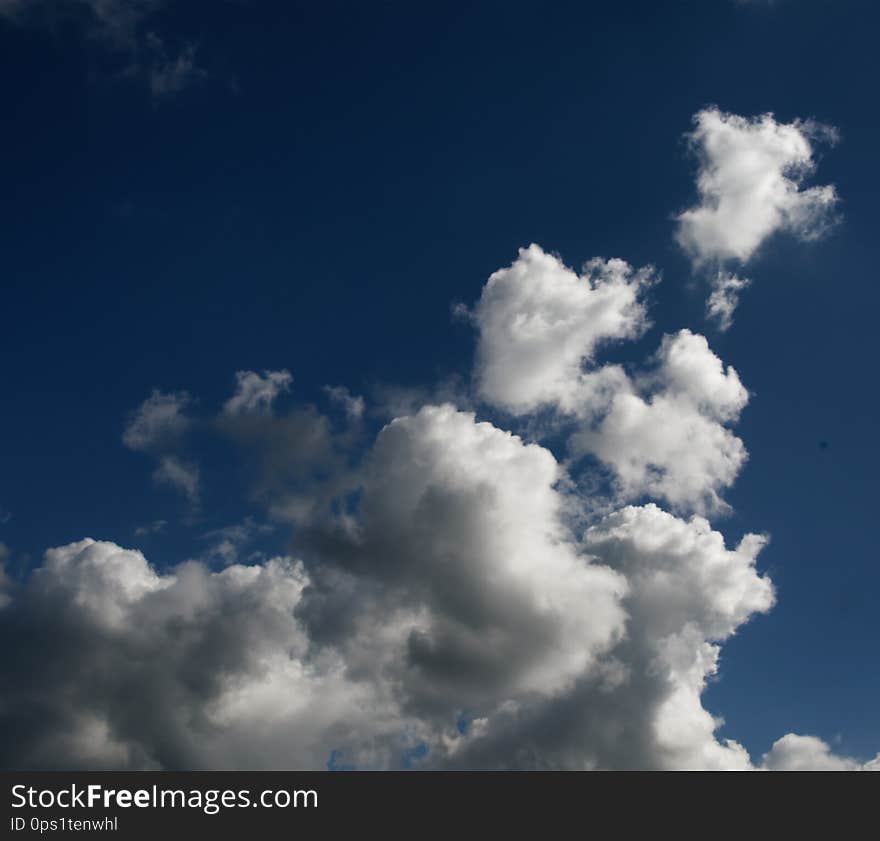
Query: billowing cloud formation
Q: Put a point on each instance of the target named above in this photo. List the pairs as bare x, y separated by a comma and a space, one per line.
539, 323
750, 184
461, 527
452, 609
664, 433
750, 178
255, 393
189, 669
454, 595
807, 753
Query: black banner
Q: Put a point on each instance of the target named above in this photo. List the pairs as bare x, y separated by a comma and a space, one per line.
144, 804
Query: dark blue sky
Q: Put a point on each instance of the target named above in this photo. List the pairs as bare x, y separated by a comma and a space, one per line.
344, 173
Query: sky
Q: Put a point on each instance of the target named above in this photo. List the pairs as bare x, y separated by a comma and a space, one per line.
445, 385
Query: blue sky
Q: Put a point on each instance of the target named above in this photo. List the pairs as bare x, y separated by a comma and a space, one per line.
320, 185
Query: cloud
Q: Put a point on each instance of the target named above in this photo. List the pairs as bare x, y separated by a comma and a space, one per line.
686, 592
182, 670
353, 404
807, 753
155, 527
182, 475
564, 653
539, 322
664, 433
295, 462
449, 618
121, 28
166, 72
451, 598
227, 544
456, 604
157, 427
724, 298
460, 539
750, 181
159, 421
255, 393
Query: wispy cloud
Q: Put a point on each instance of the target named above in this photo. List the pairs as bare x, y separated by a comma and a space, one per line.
125, 29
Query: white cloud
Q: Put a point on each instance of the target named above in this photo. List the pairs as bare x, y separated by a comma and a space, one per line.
539, 323
469, 591
158, 421
724, 298
255, 393
688, 593
750, 185
664, 433
808, 753
186, 669
465, 519
455, 586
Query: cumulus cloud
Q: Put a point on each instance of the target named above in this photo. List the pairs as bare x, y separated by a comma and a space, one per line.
452, 609
450, 599
539, 322
808, 753
453, 592
750, 183
255, 393
461, 526
191, 669
468, 591
663, 433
